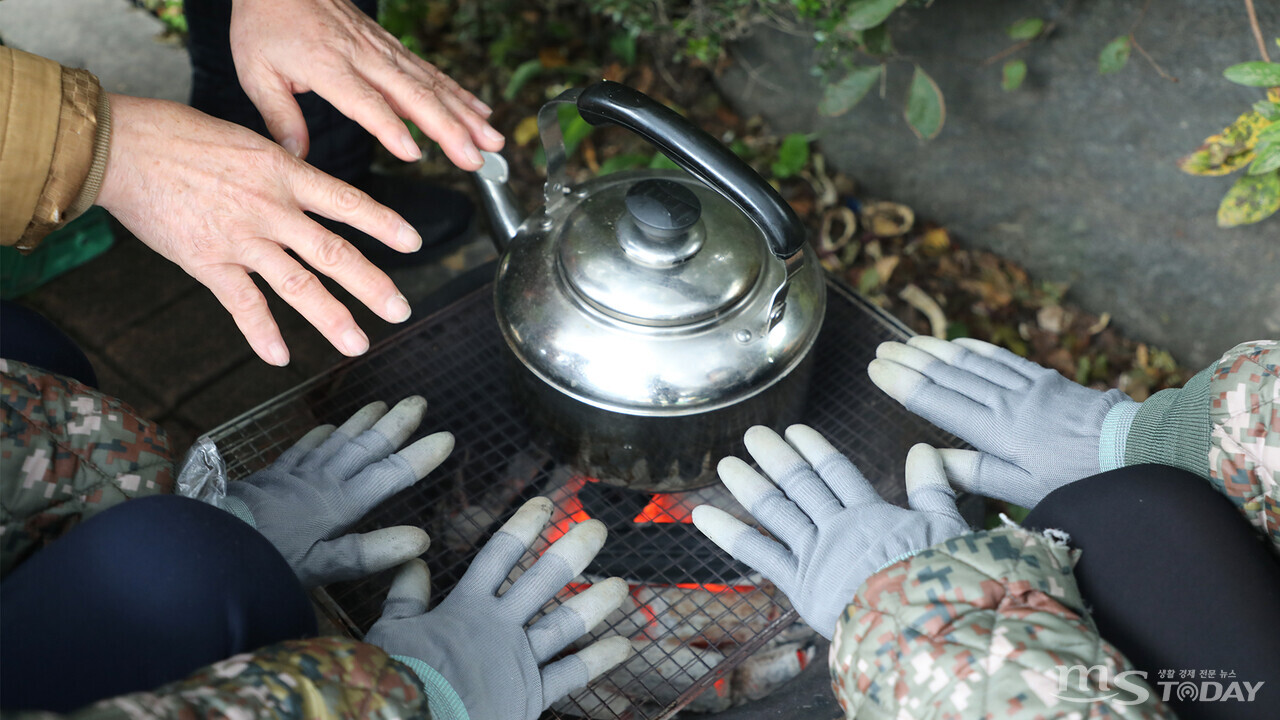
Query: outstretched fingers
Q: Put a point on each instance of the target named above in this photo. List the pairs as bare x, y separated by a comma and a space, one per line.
353, 556
947, 409
987, 475
837, 471
410, 591
564, 676
498, 556
553, 632
746, 544
362, 420
561, 563
927, 488
791, 472
766, 503
312, 440
380, 440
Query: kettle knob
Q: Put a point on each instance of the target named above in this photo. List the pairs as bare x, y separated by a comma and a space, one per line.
663, 209
663, 227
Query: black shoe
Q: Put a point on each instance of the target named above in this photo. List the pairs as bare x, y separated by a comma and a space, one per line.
443, 217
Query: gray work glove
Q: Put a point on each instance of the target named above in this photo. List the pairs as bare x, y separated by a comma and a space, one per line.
474, 653
306, 500
1035, 430
831, 529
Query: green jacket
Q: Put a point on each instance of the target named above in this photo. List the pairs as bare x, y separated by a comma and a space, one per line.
982, 626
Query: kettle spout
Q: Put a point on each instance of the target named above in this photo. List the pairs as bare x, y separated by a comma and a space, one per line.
499, 202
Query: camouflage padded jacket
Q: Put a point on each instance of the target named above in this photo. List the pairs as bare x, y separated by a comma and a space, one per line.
69, 452
979, 626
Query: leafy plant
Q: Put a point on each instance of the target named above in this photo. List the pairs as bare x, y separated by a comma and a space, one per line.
1251, 143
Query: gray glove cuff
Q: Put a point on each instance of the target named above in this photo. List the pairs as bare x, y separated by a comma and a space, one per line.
1115, 433
237, 507
442, 700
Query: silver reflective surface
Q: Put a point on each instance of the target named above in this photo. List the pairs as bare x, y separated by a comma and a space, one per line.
550, 301
604, 263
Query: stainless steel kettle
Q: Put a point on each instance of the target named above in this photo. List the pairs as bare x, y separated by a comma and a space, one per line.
654, 314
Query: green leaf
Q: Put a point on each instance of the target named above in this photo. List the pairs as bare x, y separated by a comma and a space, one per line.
576, 131
1252, 198
1084, 366
866, 14
926, 110
1267, 109
876, 40
1026, 28
626, 161
1267, 158
840, 97
623, 46
662, 162
1113, 57
1015, 71
793, 155
524, 73
1254, 74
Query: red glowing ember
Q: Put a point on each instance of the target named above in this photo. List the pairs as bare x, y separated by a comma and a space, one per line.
665, 508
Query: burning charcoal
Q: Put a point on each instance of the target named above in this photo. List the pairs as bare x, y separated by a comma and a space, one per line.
601, 701
662, 670
464, 528
767, 670
713, 614
467, 528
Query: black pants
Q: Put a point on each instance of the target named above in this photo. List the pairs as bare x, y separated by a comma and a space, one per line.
26, 336
141, 595
339, 146
1178, 581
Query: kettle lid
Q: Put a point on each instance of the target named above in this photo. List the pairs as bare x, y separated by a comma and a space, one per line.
659, 250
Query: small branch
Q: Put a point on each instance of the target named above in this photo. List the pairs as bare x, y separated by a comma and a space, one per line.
1257, 30
1142, 14
1134, 41
1044, 32
1011, 49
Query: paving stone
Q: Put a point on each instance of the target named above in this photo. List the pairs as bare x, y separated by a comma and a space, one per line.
116, 41
112, 382
181, 435
179, 348
250, 384
97, 301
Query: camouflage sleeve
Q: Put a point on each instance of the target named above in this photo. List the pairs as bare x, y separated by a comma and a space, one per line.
67, 453
1244, 445
316, 679
1223, 425
987, 625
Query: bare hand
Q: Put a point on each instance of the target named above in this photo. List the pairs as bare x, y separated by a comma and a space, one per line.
222, 201
284, 47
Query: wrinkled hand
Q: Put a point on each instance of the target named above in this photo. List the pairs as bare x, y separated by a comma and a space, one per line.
221, 202
285, 47
1036, 430
474, 648
306, 500
832, 529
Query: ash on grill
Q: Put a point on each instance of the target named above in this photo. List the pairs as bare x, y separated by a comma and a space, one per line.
689, 606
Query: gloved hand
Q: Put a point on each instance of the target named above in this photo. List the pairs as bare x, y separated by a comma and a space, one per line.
1036, 430
306, 500
473, 652
832, 529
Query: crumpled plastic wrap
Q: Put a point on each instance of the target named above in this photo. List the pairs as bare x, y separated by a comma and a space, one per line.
203, 475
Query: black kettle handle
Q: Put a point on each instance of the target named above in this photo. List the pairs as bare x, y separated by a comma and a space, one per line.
701, 155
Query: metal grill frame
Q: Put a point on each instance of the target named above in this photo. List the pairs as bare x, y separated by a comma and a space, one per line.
453, 358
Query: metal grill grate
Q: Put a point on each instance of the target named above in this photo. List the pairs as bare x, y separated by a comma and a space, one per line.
454, 359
